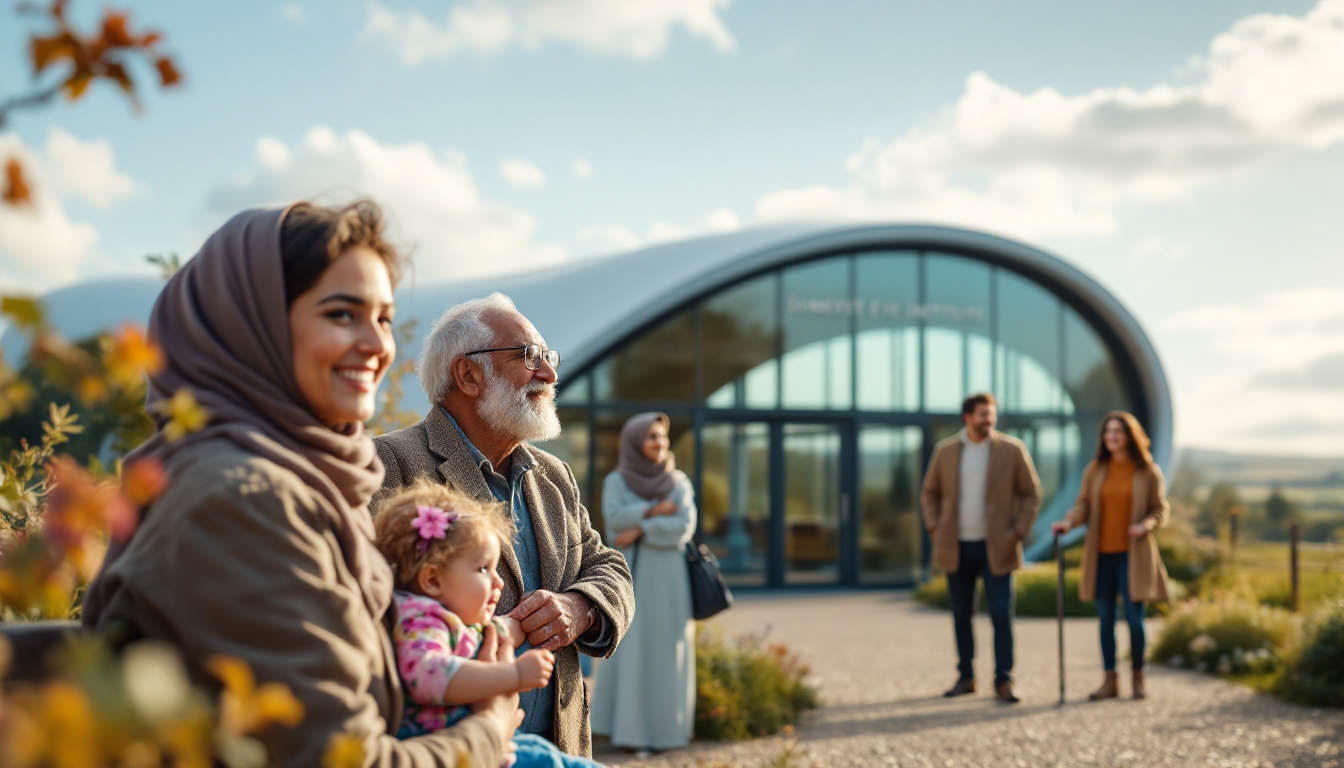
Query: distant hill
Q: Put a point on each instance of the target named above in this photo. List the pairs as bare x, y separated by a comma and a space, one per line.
1247, 469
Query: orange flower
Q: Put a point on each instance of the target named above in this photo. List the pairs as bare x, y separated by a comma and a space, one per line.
246, 708
129, 356
344, 750
141, 483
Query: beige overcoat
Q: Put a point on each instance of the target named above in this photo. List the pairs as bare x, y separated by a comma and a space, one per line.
1147, 574
573, 557
239, 557
1012, 501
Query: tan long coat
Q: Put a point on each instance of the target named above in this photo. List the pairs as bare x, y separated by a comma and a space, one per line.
1147, 574
240, 557
572, 555
1012, 501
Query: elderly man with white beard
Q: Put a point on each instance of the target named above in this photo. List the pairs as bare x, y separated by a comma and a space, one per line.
492, 380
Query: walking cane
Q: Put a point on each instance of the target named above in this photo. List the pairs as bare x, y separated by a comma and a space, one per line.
1059, 611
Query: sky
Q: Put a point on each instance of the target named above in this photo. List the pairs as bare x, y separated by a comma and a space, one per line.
1190, 157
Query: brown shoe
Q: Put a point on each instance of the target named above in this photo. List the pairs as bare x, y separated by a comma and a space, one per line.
1139, 692
1110, 688
964, 686
1005, 693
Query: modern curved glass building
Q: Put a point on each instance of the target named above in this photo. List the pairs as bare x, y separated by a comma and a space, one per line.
809, 371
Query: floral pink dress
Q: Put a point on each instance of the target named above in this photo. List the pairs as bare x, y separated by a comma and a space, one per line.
431, 643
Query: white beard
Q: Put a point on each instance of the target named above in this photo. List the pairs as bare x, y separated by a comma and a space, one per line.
511, 412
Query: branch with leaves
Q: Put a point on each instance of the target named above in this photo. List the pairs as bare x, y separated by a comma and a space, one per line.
66, 62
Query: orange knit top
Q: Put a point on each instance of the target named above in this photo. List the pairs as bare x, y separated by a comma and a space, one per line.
1117, 499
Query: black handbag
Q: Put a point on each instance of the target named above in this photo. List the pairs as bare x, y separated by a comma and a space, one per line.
709, 594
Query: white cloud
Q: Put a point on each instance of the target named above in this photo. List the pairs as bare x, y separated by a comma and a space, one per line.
616, 237
517, 172
1157, 249
722, 220
1044, 163
41, 246
85, 169
638, 29
293, 12
1282, 329
583, 169
430, 197
1275, 374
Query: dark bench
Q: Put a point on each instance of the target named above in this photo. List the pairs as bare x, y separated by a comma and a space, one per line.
32, 644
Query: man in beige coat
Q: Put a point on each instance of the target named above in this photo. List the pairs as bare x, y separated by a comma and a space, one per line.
492, 381
981, 496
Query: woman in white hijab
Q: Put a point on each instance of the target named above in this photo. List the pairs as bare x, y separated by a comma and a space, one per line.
645, 694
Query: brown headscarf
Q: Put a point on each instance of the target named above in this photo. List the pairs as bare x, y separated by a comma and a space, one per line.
223, 325
648, 479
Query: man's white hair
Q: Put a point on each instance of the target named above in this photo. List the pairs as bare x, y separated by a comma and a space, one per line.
458, 331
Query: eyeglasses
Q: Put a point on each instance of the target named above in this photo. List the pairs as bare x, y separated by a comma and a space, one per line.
533, 355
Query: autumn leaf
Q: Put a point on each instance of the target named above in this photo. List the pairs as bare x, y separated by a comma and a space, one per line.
23, 311
17, 191
118, 74
77, 84
114, 31
47, 50
183, 415
168, 74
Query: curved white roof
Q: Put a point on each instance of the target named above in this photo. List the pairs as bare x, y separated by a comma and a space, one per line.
585, 307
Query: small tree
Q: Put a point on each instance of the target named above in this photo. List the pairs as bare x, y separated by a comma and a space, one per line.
1213, 513
1280, 513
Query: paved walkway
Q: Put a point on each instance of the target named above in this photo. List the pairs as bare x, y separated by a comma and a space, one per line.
881, 660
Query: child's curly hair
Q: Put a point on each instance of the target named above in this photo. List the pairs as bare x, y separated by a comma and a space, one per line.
400, 541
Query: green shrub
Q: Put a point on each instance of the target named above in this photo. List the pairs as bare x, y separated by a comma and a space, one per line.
1187, 556
1226, 636
747, 687
1314, 671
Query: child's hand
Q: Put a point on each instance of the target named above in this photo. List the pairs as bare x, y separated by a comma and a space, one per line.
534, 669
515, 627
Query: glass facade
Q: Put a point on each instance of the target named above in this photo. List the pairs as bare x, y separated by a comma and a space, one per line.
806, 401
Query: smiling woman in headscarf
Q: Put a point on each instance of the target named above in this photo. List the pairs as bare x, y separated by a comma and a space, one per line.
645, 693
261, 548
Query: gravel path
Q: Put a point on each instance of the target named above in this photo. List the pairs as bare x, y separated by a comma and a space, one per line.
881, 662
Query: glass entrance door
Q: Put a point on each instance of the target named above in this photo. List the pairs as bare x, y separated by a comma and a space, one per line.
812, 503
890, 461
735, 499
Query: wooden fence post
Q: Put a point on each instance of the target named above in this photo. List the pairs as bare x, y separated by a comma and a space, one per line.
1295, 596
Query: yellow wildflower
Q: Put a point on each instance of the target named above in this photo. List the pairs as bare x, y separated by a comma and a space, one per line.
184, 415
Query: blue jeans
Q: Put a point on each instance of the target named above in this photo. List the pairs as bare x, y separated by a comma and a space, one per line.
1113, 580
974, 563
536, 752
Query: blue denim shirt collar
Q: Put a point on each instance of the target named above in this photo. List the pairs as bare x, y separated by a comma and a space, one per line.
522, 461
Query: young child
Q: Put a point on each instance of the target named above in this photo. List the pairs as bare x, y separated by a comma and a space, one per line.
444, 550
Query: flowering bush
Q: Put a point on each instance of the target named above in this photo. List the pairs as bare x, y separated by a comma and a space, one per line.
1314, 671
747, 688
56, 516
1229, 636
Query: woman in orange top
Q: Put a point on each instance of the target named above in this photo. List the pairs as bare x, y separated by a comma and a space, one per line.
1122, 502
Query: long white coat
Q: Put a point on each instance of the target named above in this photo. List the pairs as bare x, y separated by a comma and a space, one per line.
645, 693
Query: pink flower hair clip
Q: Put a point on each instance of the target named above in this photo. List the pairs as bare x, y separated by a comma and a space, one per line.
432, 523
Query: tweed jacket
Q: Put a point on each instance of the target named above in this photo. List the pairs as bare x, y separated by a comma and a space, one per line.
1012, 501
573, 557
239, 557
1147, 574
